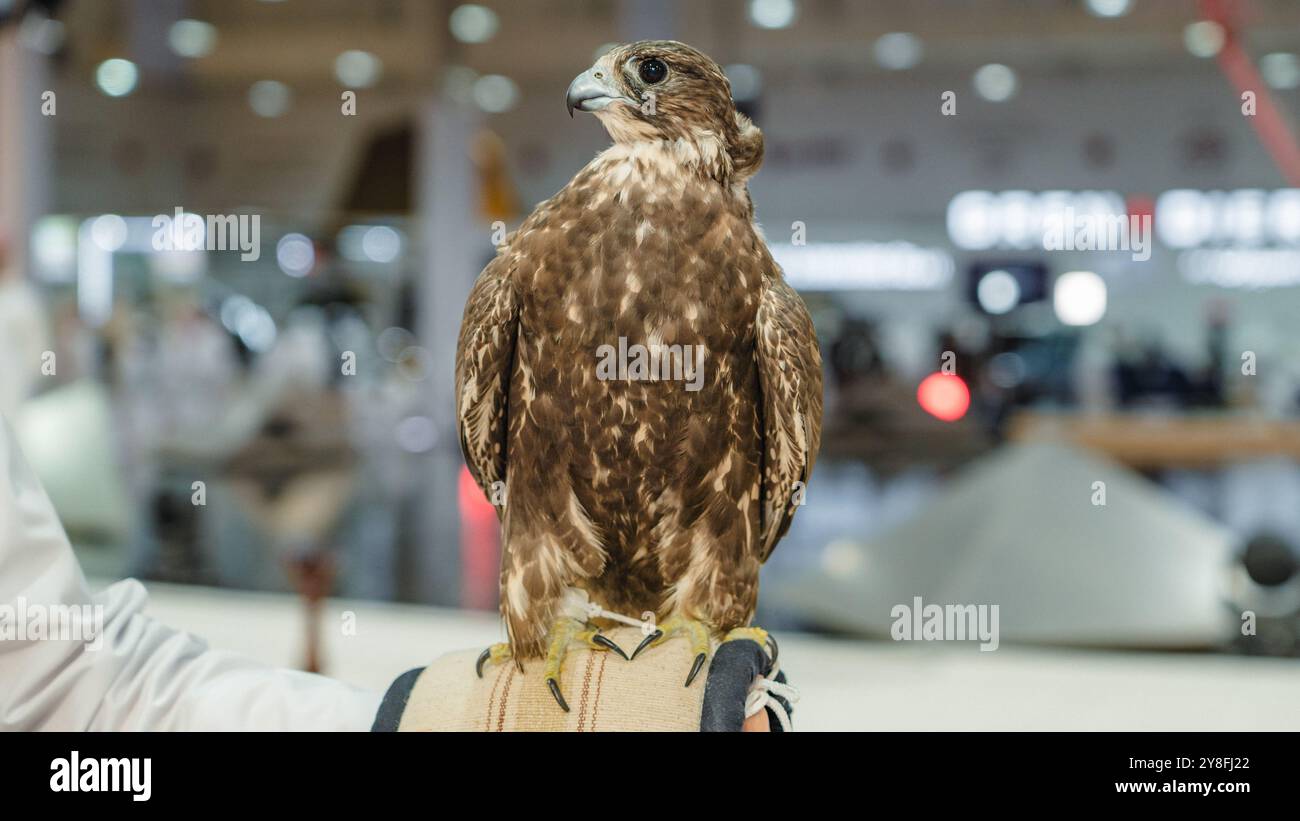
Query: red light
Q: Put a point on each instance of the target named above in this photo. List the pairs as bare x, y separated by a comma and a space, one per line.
944, 396
480, 547
1140, 205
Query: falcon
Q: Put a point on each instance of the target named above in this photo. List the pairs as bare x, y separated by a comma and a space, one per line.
660, 482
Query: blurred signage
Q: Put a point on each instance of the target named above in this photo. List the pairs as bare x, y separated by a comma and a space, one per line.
864, 266
1024, 220
1183, 219
1246, 218
1241, 267
1248, 238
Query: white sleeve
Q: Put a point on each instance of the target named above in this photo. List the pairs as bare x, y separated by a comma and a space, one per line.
134, 673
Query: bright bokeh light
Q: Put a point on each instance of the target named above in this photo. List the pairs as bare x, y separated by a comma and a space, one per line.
472, 23
1185, 218
998, 292
1281, 70
995, 82
495, 93
944, 396
1108, 8
773, 14
381, 244
109, 232
1204, 38
192, 38
358, 69
1079, 298
269, 98
295, 255
971, 220
898, 50
54, 246
117, 77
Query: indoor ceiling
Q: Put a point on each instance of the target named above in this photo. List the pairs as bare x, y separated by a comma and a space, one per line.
297, 42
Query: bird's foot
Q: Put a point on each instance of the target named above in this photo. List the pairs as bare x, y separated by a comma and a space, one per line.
495, 654
695, 630
566, 631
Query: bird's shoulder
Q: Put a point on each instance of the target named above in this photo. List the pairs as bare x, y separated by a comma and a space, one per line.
633, 209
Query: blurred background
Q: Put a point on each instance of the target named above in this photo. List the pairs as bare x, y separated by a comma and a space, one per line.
1103, 443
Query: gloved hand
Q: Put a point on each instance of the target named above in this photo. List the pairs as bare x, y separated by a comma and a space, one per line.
610, 693
743, 679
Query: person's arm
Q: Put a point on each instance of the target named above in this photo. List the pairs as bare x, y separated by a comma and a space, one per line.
135, 673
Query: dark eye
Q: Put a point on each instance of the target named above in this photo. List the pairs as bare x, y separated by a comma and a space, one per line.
652, 70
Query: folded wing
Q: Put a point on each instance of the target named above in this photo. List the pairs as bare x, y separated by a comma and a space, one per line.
485, 355
790, 376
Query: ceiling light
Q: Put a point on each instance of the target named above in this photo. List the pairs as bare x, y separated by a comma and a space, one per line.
772, 14
898, 50
358, 69
494, 93
1204, 38
116, 77
472, 23
269, 98
1281, 70
1108, 8
995, 82
192, 38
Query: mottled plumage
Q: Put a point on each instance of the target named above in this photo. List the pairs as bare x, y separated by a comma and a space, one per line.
646, 494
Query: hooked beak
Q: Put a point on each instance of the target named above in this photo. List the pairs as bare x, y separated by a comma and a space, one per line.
591, 91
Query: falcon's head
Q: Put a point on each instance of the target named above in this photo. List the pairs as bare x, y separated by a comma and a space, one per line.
666, 90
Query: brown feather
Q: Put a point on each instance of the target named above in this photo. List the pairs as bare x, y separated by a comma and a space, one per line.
646, 494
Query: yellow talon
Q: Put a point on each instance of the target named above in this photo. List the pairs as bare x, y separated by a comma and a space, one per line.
759, 636
755, 634
696, 632
564, 632
495, 654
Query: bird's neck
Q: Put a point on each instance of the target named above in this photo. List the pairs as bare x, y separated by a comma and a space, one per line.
701, 154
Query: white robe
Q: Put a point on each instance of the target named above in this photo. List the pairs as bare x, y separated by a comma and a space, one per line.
145, 675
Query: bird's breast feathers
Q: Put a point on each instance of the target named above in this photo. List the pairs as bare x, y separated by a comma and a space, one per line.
642, 231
